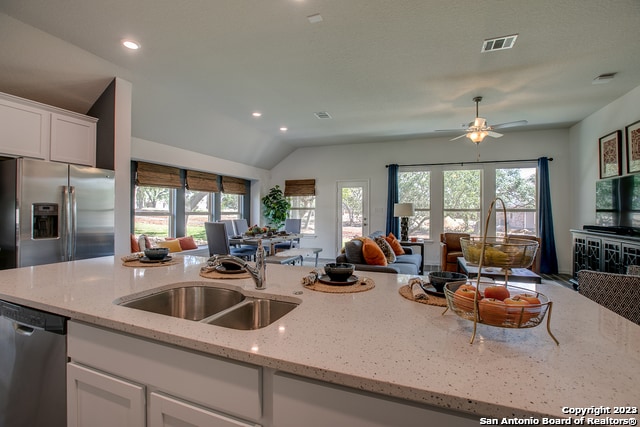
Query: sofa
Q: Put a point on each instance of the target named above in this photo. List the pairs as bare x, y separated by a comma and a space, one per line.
407, 263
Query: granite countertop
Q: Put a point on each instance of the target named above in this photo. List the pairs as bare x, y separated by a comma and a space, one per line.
375, 340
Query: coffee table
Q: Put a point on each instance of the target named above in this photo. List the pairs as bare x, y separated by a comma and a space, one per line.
515, 275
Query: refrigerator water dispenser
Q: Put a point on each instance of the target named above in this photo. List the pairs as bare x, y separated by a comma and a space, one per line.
45, 221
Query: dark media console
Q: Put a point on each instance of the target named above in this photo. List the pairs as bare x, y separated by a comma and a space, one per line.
619, 230
604, 250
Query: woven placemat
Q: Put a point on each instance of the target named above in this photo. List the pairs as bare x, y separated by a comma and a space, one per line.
150, 264
363, 284
405, 291
218, 275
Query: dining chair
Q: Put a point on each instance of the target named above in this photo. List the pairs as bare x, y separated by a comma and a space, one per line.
294, 226
231, 229
240, 225
218, 242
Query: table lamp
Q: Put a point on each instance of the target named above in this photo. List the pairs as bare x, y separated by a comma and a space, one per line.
404, 211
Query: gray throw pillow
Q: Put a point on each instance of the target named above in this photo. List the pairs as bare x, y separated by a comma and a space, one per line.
353, 251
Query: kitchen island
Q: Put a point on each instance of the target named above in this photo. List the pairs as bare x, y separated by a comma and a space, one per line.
376, 342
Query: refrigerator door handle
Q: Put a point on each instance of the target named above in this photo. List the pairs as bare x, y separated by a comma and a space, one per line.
74, 224
66, 211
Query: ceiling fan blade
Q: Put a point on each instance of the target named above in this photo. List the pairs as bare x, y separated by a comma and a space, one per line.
510, 124
458, 137
494, 134
462, 129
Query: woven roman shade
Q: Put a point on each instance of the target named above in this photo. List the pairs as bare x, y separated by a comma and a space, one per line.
202, 181
234, 185
152, 175
300, 187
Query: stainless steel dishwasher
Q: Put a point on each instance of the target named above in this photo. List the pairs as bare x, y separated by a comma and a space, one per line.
32, 367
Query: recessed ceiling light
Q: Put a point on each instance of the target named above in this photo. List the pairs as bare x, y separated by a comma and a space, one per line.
131, 44
256, 114
284, 129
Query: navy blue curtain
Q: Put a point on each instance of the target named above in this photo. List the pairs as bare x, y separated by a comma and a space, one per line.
393, 223
548, 256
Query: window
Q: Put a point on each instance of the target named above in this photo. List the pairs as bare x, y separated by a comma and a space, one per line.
198, 209
455, 199
415, 187
154, 211
301, 193
231, 206
462, 201
516, 187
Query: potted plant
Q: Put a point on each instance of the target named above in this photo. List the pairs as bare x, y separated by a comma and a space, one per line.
276, 207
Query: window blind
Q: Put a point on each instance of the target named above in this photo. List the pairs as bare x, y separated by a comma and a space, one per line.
149, 174
234, 185
202, 181
300, 187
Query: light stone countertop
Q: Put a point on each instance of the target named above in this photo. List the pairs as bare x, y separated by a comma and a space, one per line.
374, 340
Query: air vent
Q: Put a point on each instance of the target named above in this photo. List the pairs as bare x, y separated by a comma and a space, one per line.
603, 78
499, 43
322, 115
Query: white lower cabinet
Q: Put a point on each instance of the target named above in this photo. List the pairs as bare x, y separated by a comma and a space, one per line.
303, 402
167, 411
116, 379
95, 399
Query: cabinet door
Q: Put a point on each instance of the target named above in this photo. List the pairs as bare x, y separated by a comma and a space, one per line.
301, 402
73, 140
166, 411
25, 130
95, 399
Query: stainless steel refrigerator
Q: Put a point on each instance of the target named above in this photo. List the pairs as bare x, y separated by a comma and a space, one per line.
53, 212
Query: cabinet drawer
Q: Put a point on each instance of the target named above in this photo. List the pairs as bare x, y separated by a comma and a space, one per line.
228, 386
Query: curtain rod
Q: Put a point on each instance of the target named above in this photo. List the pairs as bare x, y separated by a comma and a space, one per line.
468, 163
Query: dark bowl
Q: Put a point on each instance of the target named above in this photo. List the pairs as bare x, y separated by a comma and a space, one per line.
156, 253
439, 278
231, 266
339, 272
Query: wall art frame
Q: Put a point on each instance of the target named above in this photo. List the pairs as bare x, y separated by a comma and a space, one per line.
609, 150
632, 136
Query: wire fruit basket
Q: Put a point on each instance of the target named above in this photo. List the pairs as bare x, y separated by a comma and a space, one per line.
522, 308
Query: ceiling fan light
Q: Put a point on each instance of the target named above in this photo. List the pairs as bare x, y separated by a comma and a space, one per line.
477, 137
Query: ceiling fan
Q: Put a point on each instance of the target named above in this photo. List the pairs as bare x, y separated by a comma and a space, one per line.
478, 129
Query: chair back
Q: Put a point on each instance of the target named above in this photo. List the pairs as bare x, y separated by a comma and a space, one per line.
217, 238
241, 225
231, 230
537, 260
293, 225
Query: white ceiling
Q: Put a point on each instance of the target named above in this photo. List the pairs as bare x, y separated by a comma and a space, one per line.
383, 69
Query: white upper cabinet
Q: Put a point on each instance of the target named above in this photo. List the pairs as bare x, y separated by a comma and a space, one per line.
39, 131
25, 130
73, 140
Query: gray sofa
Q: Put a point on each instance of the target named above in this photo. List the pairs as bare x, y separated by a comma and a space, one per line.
409, 263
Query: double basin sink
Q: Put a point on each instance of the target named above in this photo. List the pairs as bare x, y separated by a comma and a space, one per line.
213, 305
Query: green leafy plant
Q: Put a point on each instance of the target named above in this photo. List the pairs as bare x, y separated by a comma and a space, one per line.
276, 207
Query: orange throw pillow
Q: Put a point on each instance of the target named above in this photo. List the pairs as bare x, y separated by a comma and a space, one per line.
187, 243
372, 253
135, 247
395, 244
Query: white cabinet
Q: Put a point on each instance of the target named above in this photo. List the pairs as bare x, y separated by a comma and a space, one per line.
73, 140
302, 402
183, 387
167, 411
31, 129
25, 129
95, 399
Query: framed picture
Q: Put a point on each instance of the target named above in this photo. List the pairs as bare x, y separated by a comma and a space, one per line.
633, 147
610, 161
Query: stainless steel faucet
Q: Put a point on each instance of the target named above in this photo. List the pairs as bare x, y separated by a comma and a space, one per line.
258, 273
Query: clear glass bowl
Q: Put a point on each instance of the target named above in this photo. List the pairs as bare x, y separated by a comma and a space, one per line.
499, 251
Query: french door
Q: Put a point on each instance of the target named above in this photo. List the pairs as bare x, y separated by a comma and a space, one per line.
352, 211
